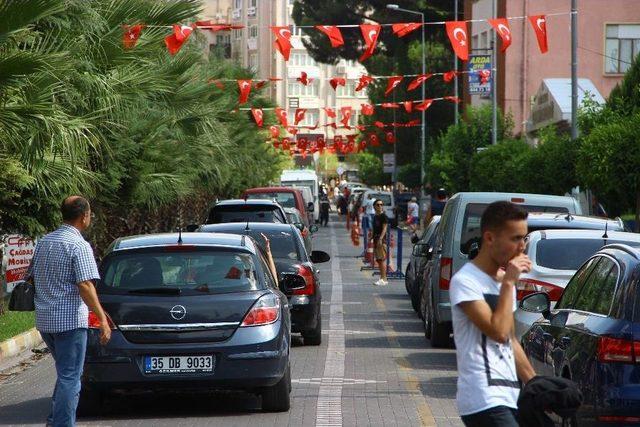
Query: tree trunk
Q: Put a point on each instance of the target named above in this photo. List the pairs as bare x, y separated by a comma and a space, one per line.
637, 227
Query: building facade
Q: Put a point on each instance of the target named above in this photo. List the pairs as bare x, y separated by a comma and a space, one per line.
608, 40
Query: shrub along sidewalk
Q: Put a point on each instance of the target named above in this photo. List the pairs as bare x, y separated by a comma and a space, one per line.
13, 323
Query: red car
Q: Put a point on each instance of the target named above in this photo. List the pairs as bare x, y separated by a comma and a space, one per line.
288, 197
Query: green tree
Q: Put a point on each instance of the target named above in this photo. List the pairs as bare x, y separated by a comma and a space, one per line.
500, 167
370, 169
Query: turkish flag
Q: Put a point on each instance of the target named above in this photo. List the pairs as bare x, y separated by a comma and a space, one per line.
245, 89
457, 32
286, 144
423, 105
539, 24
337, 81
408, 106
389, 137
501, 25
292, 131
330, 112
454, 99
363, 82
283, 40
402, 30
304, 79
392, 83
299, 115
180, 35
389, 105
374, 140
258, 116
484, 76
275, 131
301, 143
362, 145
281, 114
333, 32
378, 124
337, 141
448, 76
370, 34
131, 35
346, 115
418, 81
260, 84
367, 109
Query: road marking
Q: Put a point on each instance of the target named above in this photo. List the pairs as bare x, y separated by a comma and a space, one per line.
329, 407
336, 381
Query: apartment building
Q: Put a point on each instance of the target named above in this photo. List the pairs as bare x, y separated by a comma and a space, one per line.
535, 87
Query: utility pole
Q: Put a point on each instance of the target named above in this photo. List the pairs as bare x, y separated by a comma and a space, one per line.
494, 89
455, 65
574, 70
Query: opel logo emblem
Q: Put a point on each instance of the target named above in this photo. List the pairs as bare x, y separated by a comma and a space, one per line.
178, 312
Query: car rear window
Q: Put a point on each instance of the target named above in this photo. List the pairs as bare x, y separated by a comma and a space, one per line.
473, 213
244, 213
570, 254
282, 243
285, 199
190, 272
385, 198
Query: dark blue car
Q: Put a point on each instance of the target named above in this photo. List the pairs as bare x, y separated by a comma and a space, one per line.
592, 336
200, 311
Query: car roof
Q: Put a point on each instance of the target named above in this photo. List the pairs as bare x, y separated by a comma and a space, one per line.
490, 196
171, 239
252, 202
539, 219
238, 226
583, 234
258, 190
292, 210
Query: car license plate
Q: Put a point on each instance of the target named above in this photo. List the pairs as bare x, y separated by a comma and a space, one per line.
178, 364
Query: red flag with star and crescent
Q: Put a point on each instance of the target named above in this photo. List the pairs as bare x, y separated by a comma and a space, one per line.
374, 140
179, 36
501, 25
283, 40
258, 116
299, 115
539, 24
423, 105
131, 35
337, 81
392, 83
245, 88
403, 29
390, 137
363, 82
333, 32
346, 115
281, 114
370, 33
457, 32
367, 109
275, 131
330, 112
415, 83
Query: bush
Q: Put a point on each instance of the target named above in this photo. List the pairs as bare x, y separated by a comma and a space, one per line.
500, 167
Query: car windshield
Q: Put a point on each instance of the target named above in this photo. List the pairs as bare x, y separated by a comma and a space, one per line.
282, 243
385, 198
471, 223
308, 184
244, 213
190, 272
293, 218
285, 199
570, 254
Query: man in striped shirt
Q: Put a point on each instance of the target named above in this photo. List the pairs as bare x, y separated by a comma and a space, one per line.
63, 269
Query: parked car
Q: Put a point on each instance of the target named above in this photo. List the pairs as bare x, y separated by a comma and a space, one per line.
555, 256
190, 311
389, 204
287, 197
420, 256
295, 217
290, 257
459, 229
240, 210
592, 336
304, 178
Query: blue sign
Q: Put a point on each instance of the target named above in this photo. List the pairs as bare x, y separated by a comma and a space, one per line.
480, 74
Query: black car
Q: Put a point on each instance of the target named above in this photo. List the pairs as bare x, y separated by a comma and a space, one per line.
592, 336
196, 311
290, 257
250, 210
420, 256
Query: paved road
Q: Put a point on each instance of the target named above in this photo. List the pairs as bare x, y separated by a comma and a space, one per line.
373, 368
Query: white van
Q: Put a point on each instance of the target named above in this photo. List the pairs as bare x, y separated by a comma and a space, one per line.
303, 178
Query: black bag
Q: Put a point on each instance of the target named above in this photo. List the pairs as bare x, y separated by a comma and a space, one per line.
22, 297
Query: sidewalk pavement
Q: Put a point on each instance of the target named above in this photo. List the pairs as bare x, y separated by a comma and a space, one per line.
19, 344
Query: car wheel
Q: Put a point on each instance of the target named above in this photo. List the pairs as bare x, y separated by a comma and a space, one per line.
426, 316
415, 300
90, 402
276, 398
314, 337
439, 332
407, 281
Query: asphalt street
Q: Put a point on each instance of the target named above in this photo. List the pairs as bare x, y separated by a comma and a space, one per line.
373, 368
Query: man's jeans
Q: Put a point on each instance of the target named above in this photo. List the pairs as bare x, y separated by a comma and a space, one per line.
500, 416
68, 350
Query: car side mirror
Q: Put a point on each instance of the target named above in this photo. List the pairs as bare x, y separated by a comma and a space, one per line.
310, 206
414, 239
421, 250
318, 257
313, 228
290, 282
537, 303
192, 227
299, 226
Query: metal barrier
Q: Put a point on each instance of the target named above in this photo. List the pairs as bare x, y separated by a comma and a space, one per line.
397, 272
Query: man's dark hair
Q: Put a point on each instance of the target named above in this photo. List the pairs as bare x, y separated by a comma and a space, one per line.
74, 208
441, 193
497, 214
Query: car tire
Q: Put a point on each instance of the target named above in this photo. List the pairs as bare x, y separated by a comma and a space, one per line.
439, 332
90, 402
415, 300
314, 336
407, 282
277, 397
426, 317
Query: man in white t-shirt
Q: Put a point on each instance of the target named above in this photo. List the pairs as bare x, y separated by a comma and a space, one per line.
482, 292
413, 215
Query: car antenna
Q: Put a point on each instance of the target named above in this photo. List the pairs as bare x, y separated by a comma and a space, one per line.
247, 227
180, 224
605, 236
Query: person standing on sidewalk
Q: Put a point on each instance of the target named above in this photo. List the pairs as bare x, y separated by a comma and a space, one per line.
379, 241
325, 207
62, 270
483, 299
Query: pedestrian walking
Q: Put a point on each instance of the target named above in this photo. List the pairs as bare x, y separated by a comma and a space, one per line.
483, 299
413, 216
369, 211
63, 269
325, 207
379, 241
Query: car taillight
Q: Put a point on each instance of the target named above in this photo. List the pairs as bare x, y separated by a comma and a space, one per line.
94, 322
264, 312
617, 350
310, 288
445, 272
525, 287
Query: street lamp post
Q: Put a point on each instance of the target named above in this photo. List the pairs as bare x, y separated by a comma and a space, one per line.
422, 126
